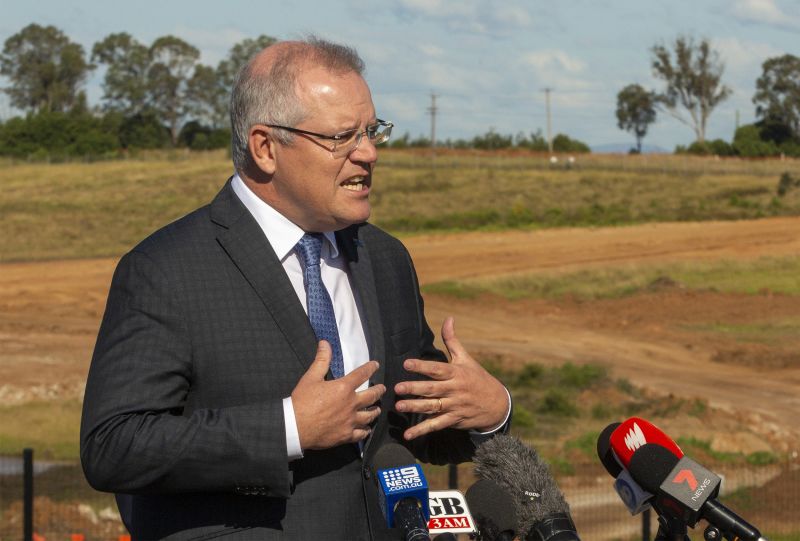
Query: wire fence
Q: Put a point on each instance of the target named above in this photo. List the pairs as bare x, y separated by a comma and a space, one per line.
63, 507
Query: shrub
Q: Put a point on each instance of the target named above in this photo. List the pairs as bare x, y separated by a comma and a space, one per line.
748, 142
786, 183
580, 376
529, 374
521, 417
556, 402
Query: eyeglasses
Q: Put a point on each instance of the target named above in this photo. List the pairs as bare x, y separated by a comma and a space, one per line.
347, 141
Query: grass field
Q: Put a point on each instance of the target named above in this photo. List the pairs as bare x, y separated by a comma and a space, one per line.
78, 210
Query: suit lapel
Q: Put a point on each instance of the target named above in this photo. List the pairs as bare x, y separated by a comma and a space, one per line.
244, 242
363, 281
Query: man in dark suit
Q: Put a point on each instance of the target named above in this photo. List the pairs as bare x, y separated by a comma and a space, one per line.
213, 406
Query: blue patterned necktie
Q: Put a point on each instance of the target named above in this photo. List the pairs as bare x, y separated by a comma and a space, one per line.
320, 307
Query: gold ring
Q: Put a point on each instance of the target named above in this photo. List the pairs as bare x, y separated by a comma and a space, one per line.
440, 405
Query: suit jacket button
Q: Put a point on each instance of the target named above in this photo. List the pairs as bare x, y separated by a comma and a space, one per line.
367, 473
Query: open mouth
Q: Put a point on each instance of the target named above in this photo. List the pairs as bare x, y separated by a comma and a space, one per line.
356, 184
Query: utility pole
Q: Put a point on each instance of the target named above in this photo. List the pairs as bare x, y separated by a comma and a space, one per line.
549, 120
432, 111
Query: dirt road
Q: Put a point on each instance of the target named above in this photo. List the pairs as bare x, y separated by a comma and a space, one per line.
50, 311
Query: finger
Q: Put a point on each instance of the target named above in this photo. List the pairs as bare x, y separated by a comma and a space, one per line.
360, 434
319, 367
420, 405
433, 369
369, 396
431, 424
451, 341
366, 417
421, 388
361, 374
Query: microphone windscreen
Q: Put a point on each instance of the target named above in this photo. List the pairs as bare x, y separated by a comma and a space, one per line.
492, 508
605, 453
392, 455
518, 469
650, 465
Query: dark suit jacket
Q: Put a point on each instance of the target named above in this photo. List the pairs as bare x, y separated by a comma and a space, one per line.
202, 338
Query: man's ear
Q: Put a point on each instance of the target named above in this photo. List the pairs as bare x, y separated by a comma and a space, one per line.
261, 144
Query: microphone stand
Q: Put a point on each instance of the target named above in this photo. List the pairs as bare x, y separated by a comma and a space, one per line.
671, 529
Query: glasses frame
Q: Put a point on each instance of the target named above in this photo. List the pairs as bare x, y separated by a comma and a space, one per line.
341, 136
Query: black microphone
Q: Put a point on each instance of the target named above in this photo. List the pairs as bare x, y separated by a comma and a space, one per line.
493, 511
404, 491
687, 491
605, 453
542, 511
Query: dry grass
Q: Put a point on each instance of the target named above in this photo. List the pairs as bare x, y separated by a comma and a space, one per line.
77, 210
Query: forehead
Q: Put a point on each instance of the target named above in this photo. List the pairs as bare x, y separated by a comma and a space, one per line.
338, 99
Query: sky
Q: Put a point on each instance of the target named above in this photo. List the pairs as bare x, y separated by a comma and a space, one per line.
486, 61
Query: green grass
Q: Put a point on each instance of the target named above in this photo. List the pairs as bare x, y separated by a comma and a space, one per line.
49, 428
768, 333
76, 210
777, 275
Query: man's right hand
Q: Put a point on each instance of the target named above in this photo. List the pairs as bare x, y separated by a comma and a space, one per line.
331, 412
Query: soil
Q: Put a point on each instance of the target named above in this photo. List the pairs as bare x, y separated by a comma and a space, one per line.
50, 312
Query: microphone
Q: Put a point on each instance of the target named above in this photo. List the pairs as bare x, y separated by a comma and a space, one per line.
542, 511
635, 432
493, 511
687, 491
605, 453
628, 490
404, 491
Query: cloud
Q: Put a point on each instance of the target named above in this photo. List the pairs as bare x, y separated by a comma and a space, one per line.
553, 60
765, 12
744, 58
214, 44
469, 16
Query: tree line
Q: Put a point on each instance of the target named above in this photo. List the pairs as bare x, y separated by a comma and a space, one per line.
159, 95
155, 95
691, 73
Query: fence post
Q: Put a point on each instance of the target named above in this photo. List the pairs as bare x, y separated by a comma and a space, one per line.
27, 495
452, 476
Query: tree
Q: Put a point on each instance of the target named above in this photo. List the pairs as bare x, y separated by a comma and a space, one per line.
635, 111
172, 61
45, 68
207, 98
777, 96
238, 57
693, 81
125, 86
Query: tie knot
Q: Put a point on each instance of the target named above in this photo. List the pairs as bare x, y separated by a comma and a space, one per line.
309, 248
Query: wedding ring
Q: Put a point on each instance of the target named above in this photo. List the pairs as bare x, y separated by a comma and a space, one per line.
440, 405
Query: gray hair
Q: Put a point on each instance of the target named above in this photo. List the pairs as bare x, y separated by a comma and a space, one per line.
268, 96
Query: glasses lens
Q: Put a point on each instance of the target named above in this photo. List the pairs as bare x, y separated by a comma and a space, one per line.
377, 133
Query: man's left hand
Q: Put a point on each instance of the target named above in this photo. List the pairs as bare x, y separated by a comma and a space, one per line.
460, 394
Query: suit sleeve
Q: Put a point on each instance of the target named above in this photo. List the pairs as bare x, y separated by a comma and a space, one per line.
135, 437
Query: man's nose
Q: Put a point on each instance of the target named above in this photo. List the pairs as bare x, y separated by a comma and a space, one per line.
365, 152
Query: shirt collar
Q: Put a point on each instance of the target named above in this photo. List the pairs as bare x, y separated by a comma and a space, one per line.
281, 232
